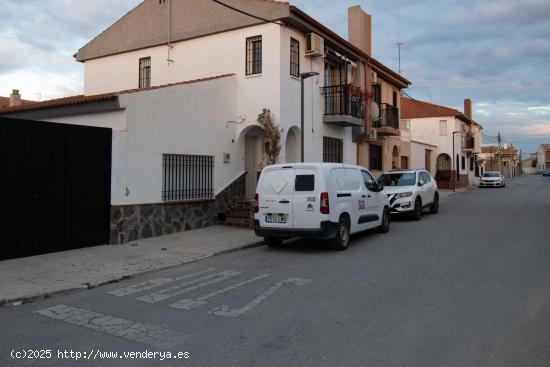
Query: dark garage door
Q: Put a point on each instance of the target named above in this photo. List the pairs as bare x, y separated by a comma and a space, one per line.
55, 183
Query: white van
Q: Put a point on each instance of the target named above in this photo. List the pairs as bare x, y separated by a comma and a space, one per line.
318, 200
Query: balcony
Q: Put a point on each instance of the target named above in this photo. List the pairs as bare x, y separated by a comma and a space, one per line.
344, 105
468, 143
388, 124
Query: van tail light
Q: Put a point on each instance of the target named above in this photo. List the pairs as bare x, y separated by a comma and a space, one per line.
256, 203
324, 203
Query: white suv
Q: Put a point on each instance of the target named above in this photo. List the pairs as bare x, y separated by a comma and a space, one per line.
410, 191
318, 200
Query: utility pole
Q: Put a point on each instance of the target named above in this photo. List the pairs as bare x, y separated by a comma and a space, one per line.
499, 139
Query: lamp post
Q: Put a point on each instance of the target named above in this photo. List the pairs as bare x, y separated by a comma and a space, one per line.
455, 165
303, 76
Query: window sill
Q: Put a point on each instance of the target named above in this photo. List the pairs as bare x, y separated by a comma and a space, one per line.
253, 76
295, 77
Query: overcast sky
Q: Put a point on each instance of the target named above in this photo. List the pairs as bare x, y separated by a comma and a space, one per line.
495, 52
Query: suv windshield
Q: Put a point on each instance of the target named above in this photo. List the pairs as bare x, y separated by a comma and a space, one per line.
398, 179
491, 174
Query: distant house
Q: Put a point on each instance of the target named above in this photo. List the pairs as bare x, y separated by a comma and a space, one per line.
445, 141
13, 100
504, 159
529, 165
543, 157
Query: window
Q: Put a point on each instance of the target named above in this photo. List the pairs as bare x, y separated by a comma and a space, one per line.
187, 177
472, 162
463, 163
254, 55
333, 150
394, 99
377, 93
425, 177
294, 58
442, 127
144, 72
375, 157
304, 183
370, 182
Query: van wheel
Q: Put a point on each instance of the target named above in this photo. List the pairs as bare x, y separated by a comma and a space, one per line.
435, 205
417, 212
340, 242
385, 226
273, 241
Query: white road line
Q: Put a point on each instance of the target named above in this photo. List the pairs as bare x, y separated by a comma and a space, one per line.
177, 289
226, 311
189, 304
135, 331
153, 283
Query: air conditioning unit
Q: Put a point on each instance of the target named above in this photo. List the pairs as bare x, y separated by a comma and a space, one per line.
315, 45
374, 77
373, 134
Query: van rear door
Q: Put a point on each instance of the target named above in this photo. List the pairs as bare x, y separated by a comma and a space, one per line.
306, 199
275, 198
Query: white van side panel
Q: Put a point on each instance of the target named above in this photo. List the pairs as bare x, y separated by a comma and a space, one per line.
275, 190
309, 183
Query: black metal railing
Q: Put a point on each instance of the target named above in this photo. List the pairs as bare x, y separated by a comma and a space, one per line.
468, 142
389, 116
344, 100
187, 177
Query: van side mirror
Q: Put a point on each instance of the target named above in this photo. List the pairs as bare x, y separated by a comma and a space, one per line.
421, 182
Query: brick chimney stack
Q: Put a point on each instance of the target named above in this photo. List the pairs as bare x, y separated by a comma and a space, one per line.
468, 108
15, 98
359, 29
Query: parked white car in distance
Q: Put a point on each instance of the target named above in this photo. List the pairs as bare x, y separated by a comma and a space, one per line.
492, 179
318, 200
410, 191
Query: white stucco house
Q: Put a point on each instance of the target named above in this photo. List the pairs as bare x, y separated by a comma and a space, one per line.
444, 141
543, 157
181, 84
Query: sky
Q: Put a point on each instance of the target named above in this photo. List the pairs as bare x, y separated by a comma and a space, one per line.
495, 52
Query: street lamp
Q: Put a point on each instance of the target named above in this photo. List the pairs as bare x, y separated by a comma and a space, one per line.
303, 76
453, 158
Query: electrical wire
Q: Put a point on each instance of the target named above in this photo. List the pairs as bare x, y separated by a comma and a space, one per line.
246, 13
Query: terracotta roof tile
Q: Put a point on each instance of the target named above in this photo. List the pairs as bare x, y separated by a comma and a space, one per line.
5, 102
412, 109
81, 99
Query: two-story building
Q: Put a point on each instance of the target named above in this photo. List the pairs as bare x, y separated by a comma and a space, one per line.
504, 159
543, 157
181, 84
444, 141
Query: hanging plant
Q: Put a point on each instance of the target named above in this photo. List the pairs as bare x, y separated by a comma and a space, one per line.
272, 147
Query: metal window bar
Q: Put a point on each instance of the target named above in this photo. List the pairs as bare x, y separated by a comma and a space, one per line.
333, 150
187, 177
389, 116
144, 72
254, 55
294, 57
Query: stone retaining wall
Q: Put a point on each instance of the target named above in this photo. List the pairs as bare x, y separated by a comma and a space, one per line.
132, 222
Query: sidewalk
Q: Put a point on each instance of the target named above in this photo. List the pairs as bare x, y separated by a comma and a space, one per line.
40, 276
446, 193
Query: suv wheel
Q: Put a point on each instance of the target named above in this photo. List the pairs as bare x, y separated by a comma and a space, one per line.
340, 242
417, 211
435, 205
273, 241
385, 226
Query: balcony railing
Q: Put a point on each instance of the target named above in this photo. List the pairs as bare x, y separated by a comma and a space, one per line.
389, 118
344, 105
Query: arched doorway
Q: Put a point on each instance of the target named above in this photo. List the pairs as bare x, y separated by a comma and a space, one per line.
251, 141
292, 145
395, 157
443, 162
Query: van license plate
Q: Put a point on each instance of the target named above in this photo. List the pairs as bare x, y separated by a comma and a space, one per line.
271, 218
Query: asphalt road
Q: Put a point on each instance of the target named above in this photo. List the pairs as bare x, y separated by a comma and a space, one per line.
469, 286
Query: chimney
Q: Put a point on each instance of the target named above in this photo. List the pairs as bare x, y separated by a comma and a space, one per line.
15, 98
359, 29
468, 108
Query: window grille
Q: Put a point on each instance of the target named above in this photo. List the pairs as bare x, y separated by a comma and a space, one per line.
254, 55
187, 177
333, 150
294, 58
144, 72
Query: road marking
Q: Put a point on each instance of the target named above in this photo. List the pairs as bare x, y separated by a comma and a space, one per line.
135, 331
177, 289
225, 311
153, 283
189, 304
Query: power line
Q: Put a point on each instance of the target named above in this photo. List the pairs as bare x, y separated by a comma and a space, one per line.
246, 13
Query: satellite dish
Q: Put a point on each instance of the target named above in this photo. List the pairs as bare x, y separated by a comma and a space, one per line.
374, 111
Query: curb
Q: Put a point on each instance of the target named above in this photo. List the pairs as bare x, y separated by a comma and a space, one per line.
43, 296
